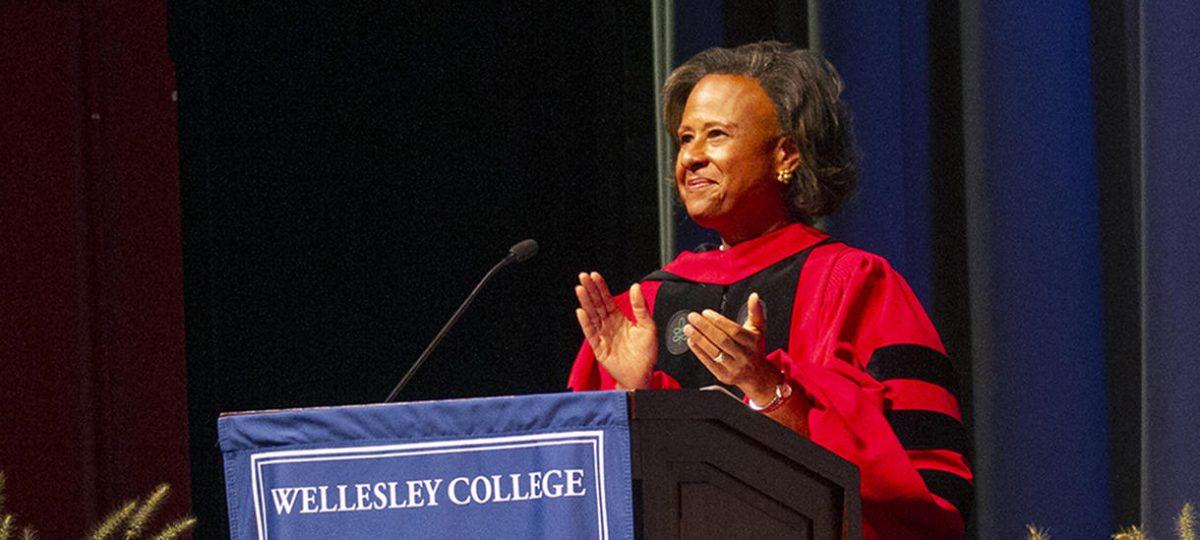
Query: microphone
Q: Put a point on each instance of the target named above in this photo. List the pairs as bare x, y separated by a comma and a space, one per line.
523, 250
520, 252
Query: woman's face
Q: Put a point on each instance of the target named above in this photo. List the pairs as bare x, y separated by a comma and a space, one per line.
730, 152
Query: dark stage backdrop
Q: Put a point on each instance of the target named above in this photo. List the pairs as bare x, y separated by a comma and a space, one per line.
349, 172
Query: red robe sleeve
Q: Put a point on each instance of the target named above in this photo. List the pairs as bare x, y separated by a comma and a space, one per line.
864, 353
586, 373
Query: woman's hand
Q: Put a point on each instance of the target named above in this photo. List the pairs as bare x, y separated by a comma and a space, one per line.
735, 354
627, 349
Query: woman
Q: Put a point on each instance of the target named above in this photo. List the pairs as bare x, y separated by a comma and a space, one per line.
847, 356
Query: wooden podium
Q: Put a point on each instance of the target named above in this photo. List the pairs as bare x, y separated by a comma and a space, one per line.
606, 465
705, 466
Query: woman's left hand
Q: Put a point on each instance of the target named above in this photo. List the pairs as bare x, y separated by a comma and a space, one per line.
735, 354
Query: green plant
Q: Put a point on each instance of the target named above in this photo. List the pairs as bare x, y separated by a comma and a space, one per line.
1185, 525
132, 518
8, 522
129, 522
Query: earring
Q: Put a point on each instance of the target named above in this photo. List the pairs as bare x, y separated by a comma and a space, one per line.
784, 176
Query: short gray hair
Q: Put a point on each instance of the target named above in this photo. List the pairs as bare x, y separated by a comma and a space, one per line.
805, 89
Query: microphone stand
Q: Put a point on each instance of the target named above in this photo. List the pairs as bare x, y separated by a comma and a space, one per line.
520, 252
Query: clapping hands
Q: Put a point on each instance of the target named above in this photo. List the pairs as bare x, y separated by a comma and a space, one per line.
627, 349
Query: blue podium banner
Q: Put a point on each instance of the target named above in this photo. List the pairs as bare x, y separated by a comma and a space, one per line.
545, 466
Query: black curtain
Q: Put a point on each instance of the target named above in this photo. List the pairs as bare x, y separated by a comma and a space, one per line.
350, 171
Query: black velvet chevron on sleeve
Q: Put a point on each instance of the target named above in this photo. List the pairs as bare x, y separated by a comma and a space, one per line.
927, 430
952, 487
913, 362
919, 429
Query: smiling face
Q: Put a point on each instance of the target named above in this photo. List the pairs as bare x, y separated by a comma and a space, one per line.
730, 151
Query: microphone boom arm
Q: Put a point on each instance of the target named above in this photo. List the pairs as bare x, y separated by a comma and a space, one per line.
520, 252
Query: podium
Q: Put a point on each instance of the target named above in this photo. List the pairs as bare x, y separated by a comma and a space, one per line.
707, 467
644, 464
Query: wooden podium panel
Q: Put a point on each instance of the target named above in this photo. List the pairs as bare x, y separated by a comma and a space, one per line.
705, 466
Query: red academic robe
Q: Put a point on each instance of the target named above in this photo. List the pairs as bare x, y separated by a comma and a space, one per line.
860, 348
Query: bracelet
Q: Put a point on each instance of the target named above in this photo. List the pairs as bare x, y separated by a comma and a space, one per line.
783, 391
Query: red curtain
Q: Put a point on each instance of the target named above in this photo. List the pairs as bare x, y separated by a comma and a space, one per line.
93, 404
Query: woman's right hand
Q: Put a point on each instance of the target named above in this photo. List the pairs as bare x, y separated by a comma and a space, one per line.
626, 349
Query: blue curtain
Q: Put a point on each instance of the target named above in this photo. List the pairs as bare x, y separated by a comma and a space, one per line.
880, 51
1170, 95
1035, 270
1033, 233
